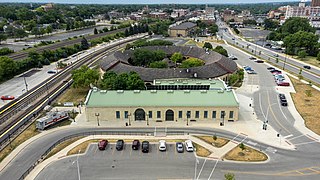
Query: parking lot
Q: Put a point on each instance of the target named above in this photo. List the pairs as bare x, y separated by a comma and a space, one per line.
130, 164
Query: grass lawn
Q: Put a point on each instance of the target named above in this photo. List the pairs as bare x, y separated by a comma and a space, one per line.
201, 151
25, 135
310, 60
219, 142
248, 154
62, 146
74, 95
307, 106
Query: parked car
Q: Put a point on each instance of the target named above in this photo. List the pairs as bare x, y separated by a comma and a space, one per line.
145, 146
283, 83
283, 100
189, 146
119, 145
102, 144
135, 144
232, 57
270, 68
7, 97
258, 61
179, 147
251, 72
307, 67
276, 55
279, 77
247, 68
162, 145
252, 58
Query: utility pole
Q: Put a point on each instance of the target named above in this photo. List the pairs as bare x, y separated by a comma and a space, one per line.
25, 81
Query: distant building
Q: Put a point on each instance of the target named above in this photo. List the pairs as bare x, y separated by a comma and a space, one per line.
209, 11
184, 29
315, 3
47, 7
115, 14
179, 12
158, 15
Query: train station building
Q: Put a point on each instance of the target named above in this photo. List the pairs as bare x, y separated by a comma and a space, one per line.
165, 100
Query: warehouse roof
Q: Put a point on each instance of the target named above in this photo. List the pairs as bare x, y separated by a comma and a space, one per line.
184, 26
158, 98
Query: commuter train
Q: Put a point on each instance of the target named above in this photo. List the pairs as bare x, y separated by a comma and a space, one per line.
50, 119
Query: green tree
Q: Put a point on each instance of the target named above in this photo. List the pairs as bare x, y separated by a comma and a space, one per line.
177, 57
308, 93
84, 76
221, 50
135, 82
192, 62
270, 24
302, 54
143, 57
229, 176
318, 56
20, 33
158, 64
301, 40
95, 31
214, 137
3, 37
108, 80
242, 146
84, 44
207, 45
213, 29
8, 68
49, 29
5, 51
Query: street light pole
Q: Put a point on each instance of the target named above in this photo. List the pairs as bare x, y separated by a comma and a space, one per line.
147, 119
285, 60
129, 115
97, 115
25, 81
188, 118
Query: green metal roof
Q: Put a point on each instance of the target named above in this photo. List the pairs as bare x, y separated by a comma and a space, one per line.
213, 83
182, 98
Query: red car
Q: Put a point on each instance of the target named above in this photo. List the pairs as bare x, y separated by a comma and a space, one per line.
283, 83
7, 97
102, 144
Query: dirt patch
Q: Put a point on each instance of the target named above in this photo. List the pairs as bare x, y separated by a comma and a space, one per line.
201, 151
219, 142
74, 95
25, 135
248, 154
307, 106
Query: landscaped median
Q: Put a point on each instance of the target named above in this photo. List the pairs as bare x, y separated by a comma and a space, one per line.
214, 140
246, 154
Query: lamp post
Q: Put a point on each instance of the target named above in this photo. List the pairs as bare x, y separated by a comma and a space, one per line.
97, 115
147, 114
188, 114
129, 119
222, 115
285, 60
25, 81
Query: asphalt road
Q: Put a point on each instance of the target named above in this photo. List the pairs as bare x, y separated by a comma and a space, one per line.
287, 63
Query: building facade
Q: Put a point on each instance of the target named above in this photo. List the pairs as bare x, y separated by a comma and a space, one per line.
212, 104
183, 29
315, 3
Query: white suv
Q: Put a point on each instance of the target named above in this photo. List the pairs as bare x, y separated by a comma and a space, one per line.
189, 146
162, 145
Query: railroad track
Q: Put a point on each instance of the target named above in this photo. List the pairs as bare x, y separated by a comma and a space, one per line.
23, 109
24, 54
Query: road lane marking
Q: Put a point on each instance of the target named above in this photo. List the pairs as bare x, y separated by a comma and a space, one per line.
261, 107
252, 143
282, 111
204, 162
313, 170
310, 142
299, 172
296, 137
268, 96
214, 167
290, 135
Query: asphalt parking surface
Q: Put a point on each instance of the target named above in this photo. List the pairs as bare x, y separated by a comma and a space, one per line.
130, 164
254, 33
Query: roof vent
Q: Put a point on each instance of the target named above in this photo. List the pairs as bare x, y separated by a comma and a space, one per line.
203, 91
95, 89
136, 91
120, 91
153, 91
188, 70
169, 91
171, 82
158, 82
195, 75
186, 91
103, 91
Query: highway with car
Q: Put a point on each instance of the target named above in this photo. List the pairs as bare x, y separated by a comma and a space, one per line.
284, 62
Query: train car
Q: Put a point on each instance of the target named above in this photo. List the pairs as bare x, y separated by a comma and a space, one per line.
50, 119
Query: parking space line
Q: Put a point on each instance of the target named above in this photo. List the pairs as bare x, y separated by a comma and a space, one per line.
314, 170
214, 167
130, 151
296, 137
96, 149
204, 162
299, 172
114, 149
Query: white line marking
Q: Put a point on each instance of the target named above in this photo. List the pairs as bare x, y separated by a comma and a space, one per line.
282, 111
261, 106
213, 169
252, 143
296, 137
201, 168
288, 136
310, 142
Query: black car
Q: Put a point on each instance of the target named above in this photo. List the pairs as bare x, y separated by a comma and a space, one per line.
135, 144
270, 68
283, 100
307, 67
119, 145
145, 146
275, 71
252, 58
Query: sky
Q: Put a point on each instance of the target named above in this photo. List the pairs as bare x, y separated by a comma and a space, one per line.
146, 1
